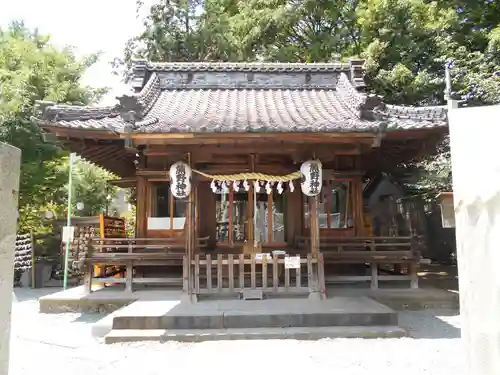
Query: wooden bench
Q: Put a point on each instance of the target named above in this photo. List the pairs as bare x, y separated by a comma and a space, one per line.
131, 252
375, 251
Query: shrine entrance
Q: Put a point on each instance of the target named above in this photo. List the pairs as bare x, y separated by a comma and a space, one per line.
240, 214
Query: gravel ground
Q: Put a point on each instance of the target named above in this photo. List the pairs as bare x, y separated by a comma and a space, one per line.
46, 344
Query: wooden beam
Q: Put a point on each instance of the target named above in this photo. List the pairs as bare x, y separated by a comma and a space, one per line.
274, 148
124, 182
243, 135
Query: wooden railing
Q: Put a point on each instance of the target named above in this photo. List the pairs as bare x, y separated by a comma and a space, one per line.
375, 251
131, 252
237, 273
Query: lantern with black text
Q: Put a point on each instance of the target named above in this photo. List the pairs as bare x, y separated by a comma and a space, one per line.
312, 177
180, 180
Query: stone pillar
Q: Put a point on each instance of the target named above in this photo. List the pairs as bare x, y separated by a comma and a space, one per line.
10, 160
474, 134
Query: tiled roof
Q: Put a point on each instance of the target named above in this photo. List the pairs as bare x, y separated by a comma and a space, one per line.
244, 110
171, 100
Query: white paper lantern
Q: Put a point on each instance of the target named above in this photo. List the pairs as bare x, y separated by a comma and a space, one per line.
180, 180
312, 177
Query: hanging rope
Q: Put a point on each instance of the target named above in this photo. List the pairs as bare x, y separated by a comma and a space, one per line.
250, 176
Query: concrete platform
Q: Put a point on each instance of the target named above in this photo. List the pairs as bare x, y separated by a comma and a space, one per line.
293, 333
109, 299
237, 314
101, 300
294, 318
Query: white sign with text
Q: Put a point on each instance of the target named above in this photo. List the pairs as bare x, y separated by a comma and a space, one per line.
68, 234
292, 262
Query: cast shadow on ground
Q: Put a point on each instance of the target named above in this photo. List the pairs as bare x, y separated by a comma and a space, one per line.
88, 318
430, 324
21, 294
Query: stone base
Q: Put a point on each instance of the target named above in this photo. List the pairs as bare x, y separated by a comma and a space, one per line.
302, 333
189, 298
229, 314
315, 296
252, 295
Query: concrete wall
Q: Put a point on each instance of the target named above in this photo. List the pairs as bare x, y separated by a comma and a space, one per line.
10, 159
475, 133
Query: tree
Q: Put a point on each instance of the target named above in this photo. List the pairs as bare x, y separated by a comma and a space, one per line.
32, 69
405, 44
296, 30
91, 188
182, 30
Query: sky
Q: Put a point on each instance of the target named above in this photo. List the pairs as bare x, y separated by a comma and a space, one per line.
88, 25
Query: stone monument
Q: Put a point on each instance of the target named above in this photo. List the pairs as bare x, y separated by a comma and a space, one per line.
10, 162
475, 155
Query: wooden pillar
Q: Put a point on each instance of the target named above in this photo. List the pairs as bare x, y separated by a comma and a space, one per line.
250, 216
206, 212
358, 210
141, 211
294, 214
251, 207
315, 292
314, 225
190, 239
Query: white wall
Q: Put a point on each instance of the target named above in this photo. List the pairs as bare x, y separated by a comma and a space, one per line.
10, 160
475, 150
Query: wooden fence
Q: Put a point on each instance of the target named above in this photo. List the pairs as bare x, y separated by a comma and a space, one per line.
231, 273
115, 255
387, 257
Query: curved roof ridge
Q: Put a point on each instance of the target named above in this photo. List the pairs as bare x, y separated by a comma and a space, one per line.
351, 97
242, 66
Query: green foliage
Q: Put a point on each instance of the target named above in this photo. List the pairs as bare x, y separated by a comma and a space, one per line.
32, 69
90, 187
405, 44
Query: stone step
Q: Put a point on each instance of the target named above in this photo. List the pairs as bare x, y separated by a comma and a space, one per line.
295, 333
339, 311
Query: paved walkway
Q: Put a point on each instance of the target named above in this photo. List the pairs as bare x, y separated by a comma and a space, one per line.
48, 344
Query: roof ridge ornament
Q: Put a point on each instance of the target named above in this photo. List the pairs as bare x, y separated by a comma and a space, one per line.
138, 73
134, 107
356, 67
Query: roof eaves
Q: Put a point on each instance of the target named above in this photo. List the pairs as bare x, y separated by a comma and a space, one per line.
411, 118
53, 112
77, 125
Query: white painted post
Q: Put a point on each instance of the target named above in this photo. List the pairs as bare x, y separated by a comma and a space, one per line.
10, 162
474, 135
